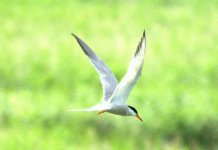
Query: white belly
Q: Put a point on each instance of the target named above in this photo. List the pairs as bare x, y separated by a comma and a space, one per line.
119, 110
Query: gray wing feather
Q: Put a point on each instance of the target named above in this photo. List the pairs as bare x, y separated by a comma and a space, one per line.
108, 80
133, 73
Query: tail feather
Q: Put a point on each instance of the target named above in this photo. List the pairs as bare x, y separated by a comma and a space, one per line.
85, 109
97, 107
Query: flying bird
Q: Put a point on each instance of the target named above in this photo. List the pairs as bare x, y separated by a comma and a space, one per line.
115, 95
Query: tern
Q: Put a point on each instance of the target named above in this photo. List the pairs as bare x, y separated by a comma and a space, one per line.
115, 95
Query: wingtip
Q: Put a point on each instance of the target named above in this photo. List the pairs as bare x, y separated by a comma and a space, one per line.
144, 37
144, 33
77, 38
73, 35
140, 43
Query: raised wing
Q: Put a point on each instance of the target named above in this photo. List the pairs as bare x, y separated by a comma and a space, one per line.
108, 80
134, 71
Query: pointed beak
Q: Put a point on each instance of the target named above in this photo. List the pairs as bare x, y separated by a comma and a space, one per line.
137, 116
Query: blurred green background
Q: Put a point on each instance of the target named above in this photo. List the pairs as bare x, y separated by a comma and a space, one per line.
43, 72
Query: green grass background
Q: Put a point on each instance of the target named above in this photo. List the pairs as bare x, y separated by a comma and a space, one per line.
43, 72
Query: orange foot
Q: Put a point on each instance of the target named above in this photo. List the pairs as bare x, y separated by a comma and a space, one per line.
102, 112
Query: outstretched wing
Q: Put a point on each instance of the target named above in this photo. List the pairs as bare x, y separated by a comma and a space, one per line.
108, 80
122, 91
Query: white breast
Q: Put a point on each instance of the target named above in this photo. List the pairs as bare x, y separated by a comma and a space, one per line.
119, 110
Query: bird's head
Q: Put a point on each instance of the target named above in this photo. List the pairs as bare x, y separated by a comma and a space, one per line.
134, 113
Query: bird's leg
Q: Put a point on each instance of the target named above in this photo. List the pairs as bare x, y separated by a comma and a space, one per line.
102, 111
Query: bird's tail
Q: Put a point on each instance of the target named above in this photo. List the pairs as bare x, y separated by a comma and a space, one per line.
84, 109
97, 107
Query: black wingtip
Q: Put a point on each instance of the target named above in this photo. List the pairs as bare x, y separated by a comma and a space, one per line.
140, 43
143, 35
78, 39
74, 35
86, 49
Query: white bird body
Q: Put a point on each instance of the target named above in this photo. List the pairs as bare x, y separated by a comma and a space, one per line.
122, 110
115, 95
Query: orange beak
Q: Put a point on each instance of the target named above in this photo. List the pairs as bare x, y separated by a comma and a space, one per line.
137, 116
